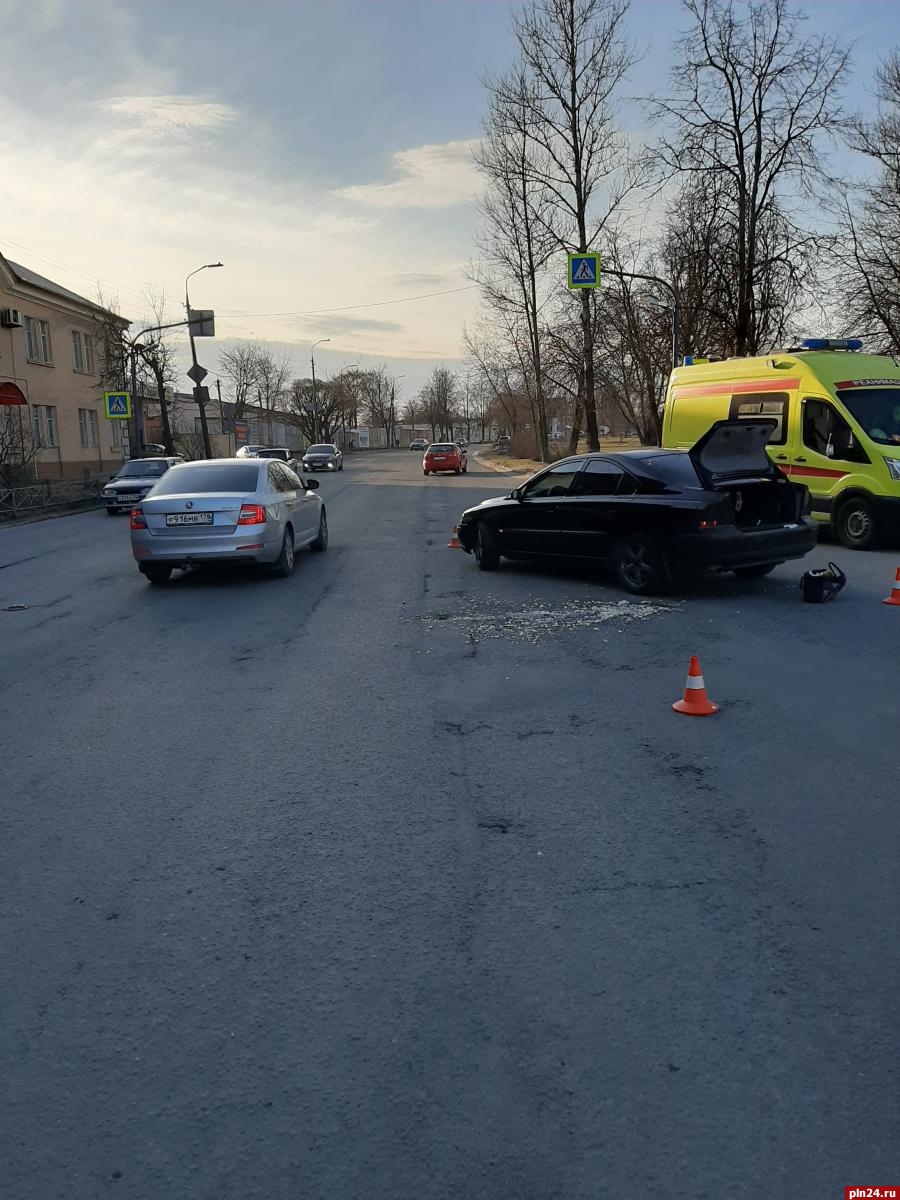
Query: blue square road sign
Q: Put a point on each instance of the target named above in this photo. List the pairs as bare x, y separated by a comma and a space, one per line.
584, 271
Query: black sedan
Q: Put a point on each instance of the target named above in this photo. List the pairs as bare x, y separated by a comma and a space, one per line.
650, 513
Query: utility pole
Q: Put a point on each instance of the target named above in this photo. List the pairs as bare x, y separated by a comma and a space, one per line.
312, 360
196, 368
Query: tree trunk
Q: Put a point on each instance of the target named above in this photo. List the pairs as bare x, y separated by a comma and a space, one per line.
164, 417
590, 410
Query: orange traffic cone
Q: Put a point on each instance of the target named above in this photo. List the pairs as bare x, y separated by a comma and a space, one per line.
454, 543
696, 703
894, 597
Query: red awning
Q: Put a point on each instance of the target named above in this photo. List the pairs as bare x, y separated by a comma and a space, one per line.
10, 394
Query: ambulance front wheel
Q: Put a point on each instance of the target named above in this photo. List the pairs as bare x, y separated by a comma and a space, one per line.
855, 525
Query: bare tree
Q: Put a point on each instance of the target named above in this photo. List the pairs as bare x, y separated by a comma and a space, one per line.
516, 240
868, 251
17, 446
753, 93
273, 374
438, 397
576, 56
238, 366
317, 412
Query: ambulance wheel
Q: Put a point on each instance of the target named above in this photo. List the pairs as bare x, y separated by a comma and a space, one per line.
855, 525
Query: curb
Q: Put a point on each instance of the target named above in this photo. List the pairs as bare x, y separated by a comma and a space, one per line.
496, 467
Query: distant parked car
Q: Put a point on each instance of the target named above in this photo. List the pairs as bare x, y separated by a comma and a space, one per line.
250, 451
418, 444
650, 513
227, 510
282, 453
323, 457
464, 442
501, 446
444, 456
133, 481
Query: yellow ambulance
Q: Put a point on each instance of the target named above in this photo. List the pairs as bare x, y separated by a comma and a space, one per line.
837, 414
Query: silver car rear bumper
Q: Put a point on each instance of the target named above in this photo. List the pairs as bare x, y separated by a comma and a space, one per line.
261, 545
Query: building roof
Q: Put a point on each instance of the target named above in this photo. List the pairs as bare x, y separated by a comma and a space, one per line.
26, 275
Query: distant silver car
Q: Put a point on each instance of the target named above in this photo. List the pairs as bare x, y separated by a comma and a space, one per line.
227, 510
133, 481
324, 457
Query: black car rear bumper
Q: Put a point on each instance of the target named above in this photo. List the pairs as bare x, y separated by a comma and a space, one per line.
730, 547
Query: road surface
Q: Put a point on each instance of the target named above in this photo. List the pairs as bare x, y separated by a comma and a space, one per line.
401, 881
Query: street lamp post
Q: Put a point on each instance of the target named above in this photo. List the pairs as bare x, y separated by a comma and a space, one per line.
204, 428
312, 360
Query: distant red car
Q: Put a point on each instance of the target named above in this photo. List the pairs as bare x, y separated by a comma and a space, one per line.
444, 456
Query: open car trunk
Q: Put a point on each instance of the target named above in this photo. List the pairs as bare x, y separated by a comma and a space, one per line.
756, 505
731, 457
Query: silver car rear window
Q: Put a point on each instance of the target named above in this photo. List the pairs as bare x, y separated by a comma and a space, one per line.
209, 477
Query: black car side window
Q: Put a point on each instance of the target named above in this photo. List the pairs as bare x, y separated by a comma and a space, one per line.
553, 483
599, 478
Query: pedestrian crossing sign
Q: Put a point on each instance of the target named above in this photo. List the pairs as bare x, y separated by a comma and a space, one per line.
117, 406
584, 271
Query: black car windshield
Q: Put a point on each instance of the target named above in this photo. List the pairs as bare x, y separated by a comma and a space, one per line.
878, 411
283, 455
321, 450
209, 477
441, 448
143, 469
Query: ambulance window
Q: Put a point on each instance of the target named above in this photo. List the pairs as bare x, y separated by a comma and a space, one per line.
763, 404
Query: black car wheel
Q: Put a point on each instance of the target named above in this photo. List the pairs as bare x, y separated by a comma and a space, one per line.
321, 540
113, 512
640, 565
487, 553
426, 472
155, 573
756, 572
855, 525
284, 564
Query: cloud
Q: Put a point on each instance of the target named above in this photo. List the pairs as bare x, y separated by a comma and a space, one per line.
348, 325
415, 279
164, 115
431, 176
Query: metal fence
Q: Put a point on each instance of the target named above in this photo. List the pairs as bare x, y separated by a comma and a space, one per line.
51, 495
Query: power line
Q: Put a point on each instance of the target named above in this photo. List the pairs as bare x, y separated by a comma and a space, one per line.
313, 312
55, 262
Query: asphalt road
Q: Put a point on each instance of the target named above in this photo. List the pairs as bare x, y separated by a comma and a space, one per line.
400, 881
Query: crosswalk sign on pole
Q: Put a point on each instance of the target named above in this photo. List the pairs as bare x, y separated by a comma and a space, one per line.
584, 271
117, 406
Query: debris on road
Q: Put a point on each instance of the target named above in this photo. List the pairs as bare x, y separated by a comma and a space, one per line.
533, 624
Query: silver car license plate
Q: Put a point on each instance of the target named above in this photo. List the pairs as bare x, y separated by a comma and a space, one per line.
189, 518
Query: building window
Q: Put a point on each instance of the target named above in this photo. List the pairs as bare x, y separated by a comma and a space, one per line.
43, 426
115, 434
82, 351
37, 340
87, 428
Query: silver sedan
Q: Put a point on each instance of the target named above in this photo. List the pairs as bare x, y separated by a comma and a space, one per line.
227, 510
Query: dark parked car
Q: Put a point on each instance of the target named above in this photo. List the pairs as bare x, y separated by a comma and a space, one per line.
133, 481
418, 444
649, 513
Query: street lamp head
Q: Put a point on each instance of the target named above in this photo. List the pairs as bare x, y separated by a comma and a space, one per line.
215, 264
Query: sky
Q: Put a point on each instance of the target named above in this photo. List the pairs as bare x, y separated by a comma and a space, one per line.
320, 149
